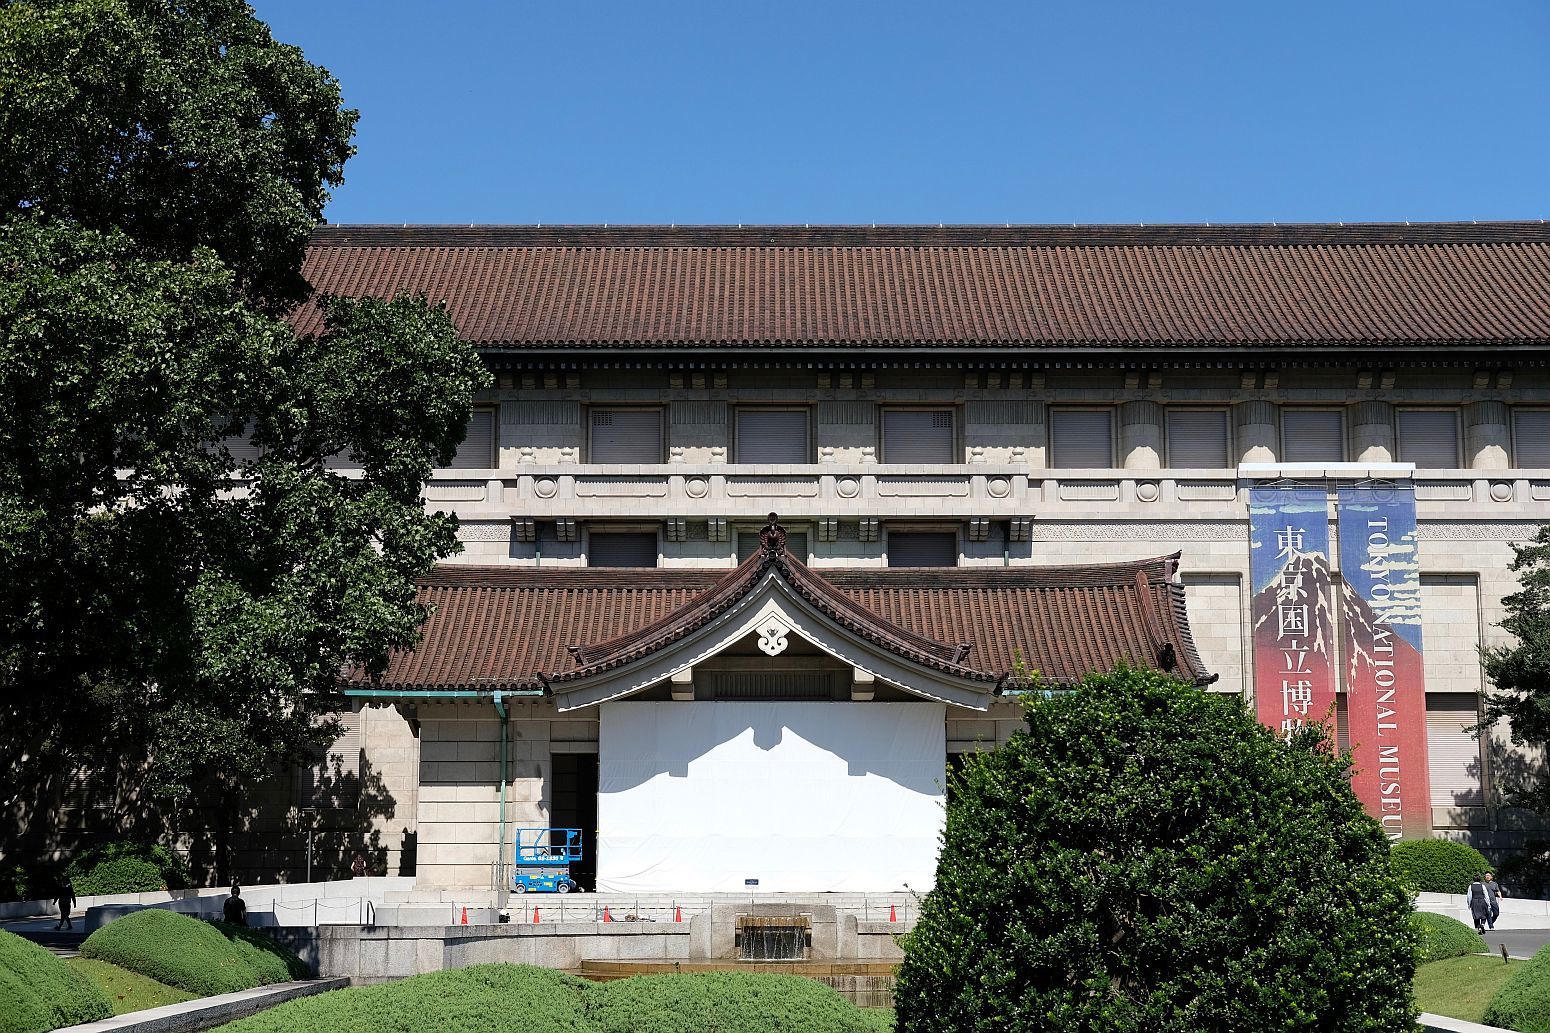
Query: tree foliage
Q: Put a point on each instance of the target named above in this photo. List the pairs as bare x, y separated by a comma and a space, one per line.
161, 167
1148, 857
1521, 671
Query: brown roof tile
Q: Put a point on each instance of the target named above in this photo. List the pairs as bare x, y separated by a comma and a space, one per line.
995, 287
501, 627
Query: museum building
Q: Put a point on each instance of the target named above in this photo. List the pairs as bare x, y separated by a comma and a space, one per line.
764, 526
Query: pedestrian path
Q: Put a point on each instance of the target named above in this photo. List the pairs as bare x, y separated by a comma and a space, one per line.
64, 942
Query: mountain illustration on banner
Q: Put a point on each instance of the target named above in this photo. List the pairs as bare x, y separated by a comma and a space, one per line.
1304, 577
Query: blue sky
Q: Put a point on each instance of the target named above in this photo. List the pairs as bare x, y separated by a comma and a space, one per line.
794, 112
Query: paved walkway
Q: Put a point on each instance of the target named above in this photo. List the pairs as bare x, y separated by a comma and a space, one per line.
64, 942
1521, 943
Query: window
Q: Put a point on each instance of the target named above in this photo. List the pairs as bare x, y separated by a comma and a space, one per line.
1452, 751
748, 544
626, 435
1312, 436
1081, 439
477, 452
1531, 438
622, 549
918, 436
772, 436
1197, 439
1429, 438
243, 452
922, 549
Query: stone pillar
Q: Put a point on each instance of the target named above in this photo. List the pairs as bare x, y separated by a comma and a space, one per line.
1141, 436
1372, 432
1254, 429
1487, 440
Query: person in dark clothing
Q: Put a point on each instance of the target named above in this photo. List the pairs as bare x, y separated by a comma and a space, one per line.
1479, 900
358, 867
235, 909
66, 902
1493, 891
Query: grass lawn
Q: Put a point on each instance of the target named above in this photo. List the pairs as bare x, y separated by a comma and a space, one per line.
1460, 988
127, 991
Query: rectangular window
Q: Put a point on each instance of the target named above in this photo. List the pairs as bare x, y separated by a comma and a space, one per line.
1453, 752
625, 436
622, 549
1197, 439
772, 436
477, 452
1312, 436
243, 452
1081, 439
1531, 438
918, 436
748, 544
1429, 438
922, 549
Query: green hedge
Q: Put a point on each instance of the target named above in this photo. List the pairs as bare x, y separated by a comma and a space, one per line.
1437, 865
203, 958
1523, 1002
522, 999
1443, 937
39, 991
127, 868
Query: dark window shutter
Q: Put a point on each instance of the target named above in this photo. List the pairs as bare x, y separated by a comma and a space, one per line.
1531, 438
748, 544
242, 449
922, 549
918, 436
1081, 439
626, 436
1452, 751
1429, 439
772, 436
1312, 436
622, 549
477, 452
1197, 439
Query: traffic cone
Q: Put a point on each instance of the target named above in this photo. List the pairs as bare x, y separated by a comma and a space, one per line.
465, 916
893, 914
606, 916
535, 916
678, 913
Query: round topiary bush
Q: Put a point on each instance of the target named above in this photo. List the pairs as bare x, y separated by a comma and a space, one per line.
203, 958
103, 869
1523, 1002
120, 875
1437, 865
1148, 857
40, 992
1442, 937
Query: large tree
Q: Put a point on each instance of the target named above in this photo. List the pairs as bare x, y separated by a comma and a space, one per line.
1521, 674
161, 167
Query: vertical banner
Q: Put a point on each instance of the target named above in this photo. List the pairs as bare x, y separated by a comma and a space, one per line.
1380, 619
1294, 632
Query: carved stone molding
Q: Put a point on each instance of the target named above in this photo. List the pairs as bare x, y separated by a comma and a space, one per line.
1145, 530
1480, 531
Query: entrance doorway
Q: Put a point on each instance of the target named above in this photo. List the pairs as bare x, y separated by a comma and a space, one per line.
574, 805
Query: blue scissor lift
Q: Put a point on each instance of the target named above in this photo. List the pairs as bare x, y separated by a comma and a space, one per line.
543, 858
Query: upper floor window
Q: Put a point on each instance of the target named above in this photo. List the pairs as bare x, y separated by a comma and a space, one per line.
1531, 438
918, 436
773, 436
1081, 439
748, 544
477, 452
1197, 439
621, 549
1429, 438
1312, 436
922, 548
625, 436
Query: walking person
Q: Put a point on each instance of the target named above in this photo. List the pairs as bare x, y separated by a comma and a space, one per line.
66, 902
1493, 890
1479, 901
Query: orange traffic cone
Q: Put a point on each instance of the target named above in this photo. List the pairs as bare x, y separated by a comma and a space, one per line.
465, 916
893, 914
606, 916
678, 913
535, 916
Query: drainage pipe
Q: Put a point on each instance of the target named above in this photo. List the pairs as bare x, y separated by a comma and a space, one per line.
500, 853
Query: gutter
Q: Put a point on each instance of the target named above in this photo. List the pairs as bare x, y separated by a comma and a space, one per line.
440, 693
500, 853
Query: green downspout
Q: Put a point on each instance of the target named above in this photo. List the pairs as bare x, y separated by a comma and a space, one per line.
500, 856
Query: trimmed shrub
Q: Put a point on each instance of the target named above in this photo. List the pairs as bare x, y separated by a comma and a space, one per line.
1523, 1002
738, 1002
1149, 857
1437, 865
103, 869
40, 992
1442, 937
203, 958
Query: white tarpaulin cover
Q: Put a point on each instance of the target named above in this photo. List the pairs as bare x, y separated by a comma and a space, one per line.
804, 797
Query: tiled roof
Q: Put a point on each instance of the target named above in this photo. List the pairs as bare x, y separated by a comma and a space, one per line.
501, 627
971, 287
